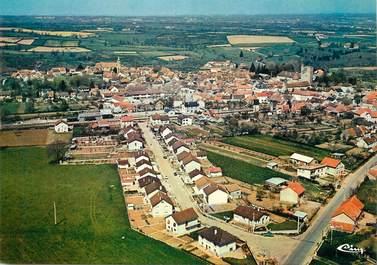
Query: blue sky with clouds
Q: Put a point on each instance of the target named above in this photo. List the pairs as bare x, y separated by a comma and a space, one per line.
182, 7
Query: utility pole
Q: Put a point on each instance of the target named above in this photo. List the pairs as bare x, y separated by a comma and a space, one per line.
54, 213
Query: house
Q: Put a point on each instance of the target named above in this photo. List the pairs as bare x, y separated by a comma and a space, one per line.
334, 167
311, 172
61, 126
195, 175
215, 172
367, 142
200, 184
153, 188
127, 120
217, 241
214, 194
158, 120
252, 216
128, 131
345, 218
123, 163
179, 147
184, 120
147, 172
141, 156
162, 205
182, 222
144, 181
142, 164
292, 193
182, 156
299, 159
165, 130
234, 191
135, 142
190, 163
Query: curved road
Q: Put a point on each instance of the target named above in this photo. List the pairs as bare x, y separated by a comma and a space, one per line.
309, 241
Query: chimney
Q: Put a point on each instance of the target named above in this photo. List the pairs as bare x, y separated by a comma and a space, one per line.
215, 231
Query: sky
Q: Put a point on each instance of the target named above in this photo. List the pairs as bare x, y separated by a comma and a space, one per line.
182, 7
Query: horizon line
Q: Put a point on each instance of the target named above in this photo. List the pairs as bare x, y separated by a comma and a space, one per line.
190, 15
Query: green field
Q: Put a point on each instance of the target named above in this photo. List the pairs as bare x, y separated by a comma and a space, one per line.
90, 213
287, 225
61, 43
243, 171
275, 147
367, 194
363, 239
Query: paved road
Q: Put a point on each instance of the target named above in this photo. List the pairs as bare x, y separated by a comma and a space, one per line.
182, 195
304, 251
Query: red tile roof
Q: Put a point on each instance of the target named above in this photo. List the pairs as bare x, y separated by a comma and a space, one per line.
342, 226
296, 187
330, 162
352, 208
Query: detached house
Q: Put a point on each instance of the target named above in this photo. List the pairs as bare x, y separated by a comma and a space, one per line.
153, 188
179, 147
292, 193
217, 241
61, 126
182, 222
158, 120
135, 142
184, 120
346, 217
214, 194
251, 216
142, 164
165, 130
190, 163
127, 120
311, 172
334, 167
162, 205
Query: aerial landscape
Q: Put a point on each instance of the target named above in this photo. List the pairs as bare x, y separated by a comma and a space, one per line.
188, 132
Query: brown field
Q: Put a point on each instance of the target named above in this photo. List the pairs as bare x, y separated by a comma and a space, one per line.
172, 58
26, 41
50, 33
218, 45
257, 39
3, 44
9, 39
58, 49
31, 137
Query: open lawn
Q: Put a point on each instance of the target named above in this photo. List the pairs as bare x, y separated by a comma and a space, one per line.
58, 49
287, 225
275, 147
92, 220
243, 171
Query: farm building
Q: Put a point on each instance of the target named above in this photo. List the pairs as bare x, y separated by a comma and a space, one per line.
275, 184
299, 159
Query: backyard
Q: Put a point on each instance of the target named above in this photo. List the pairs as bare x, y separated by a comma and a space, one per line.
92, 224
243, 171
275, 147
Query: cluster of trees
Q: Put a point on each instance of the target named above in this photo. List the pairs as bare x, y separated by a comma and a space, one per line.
233, 127
32, 88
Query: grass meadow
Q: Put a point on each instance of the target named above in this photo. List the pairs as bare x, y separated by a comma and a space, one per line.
91, 215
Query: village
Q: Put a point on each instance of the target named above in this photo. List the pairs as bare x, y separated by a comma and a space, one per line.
165, 131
